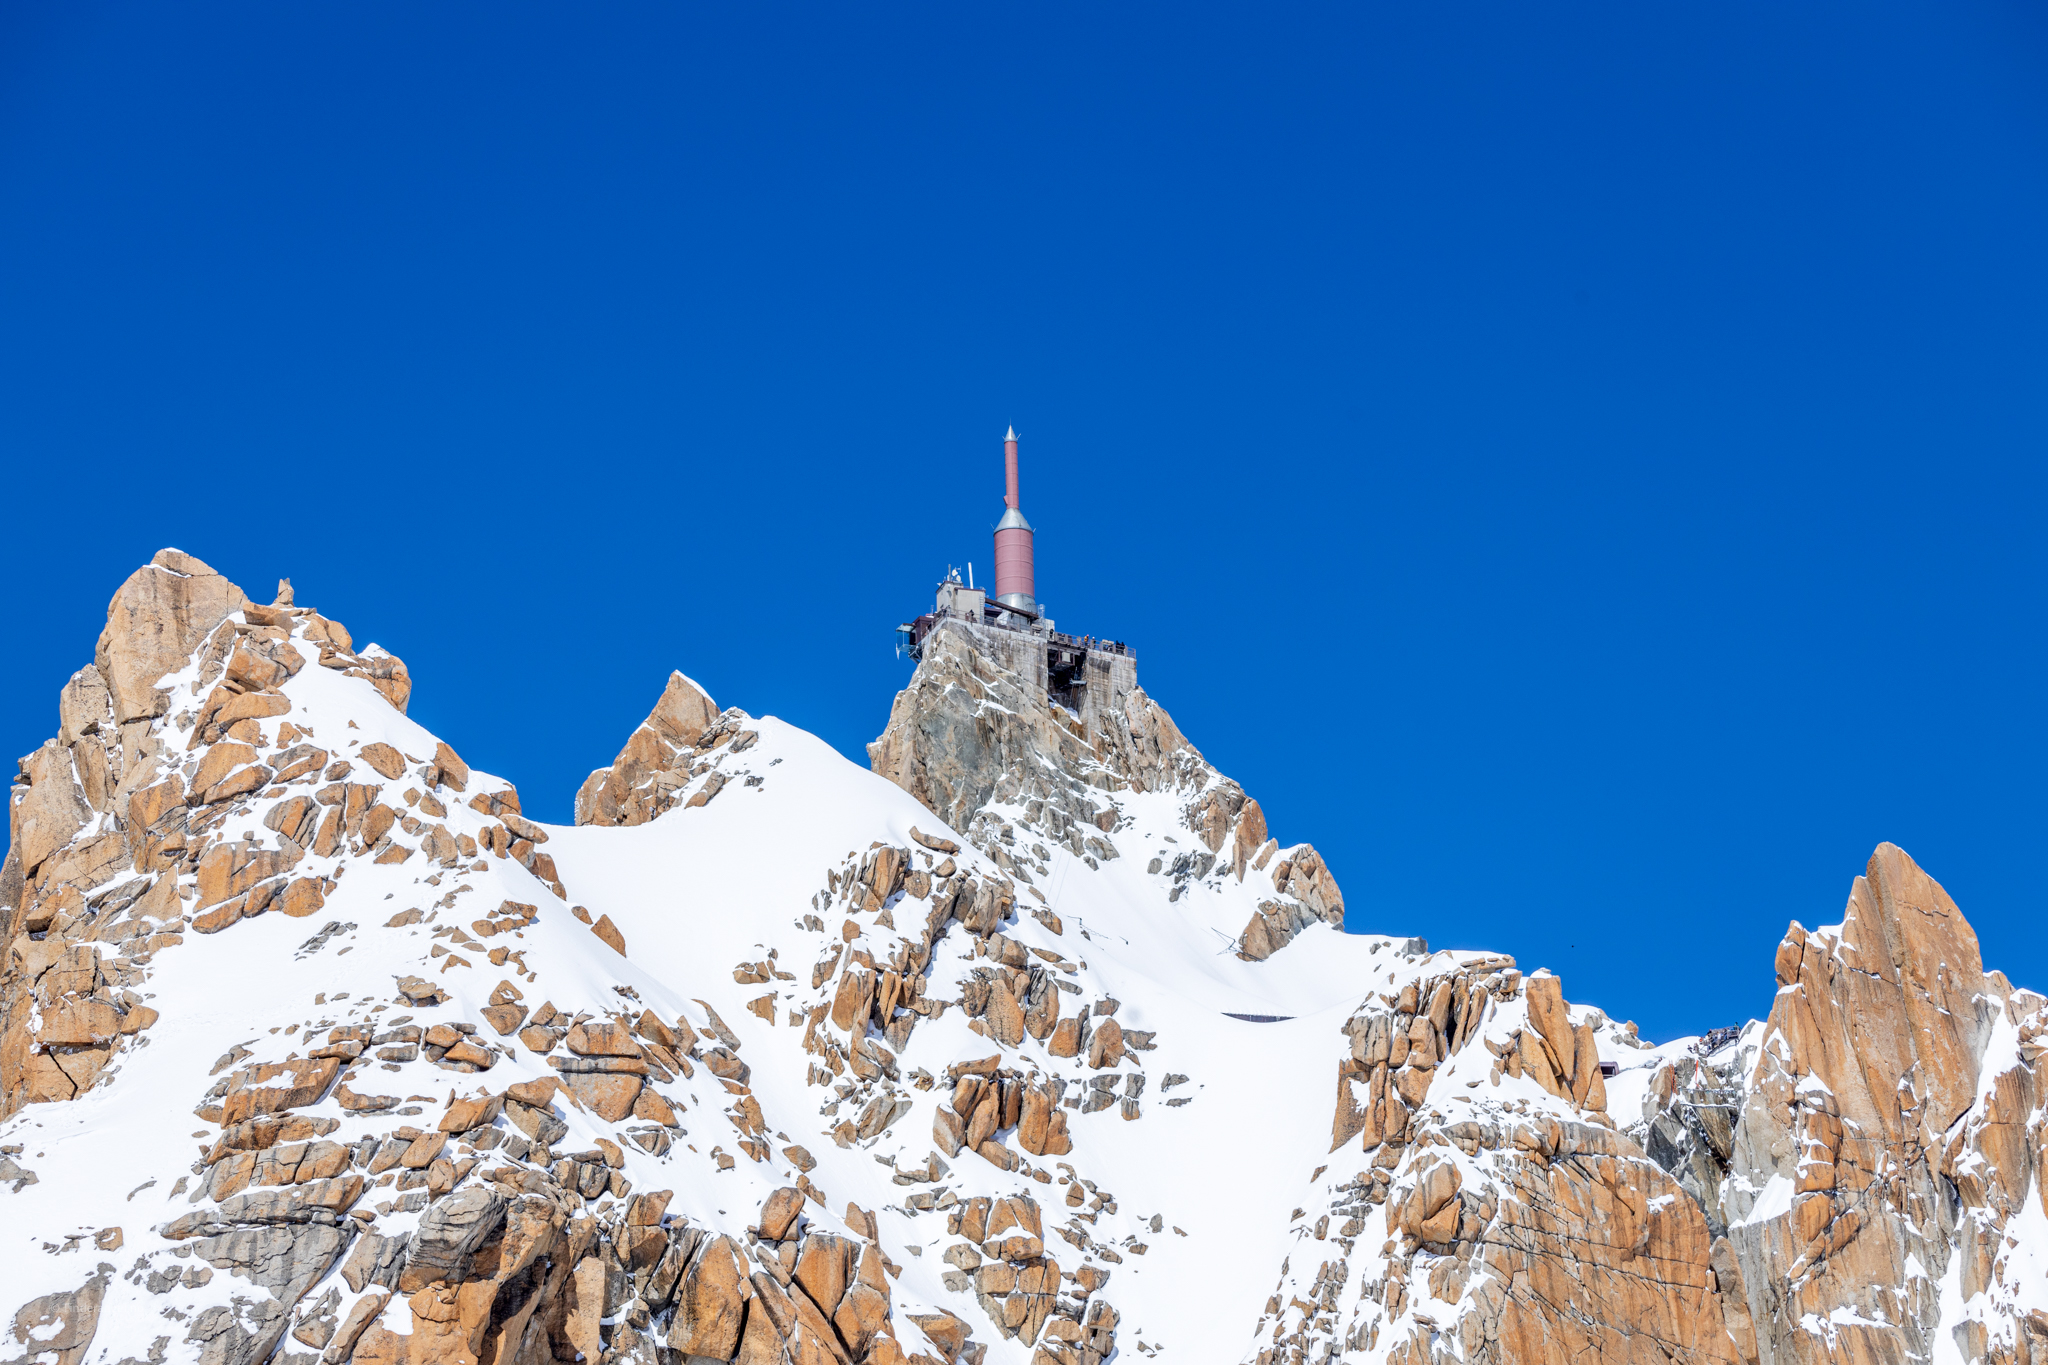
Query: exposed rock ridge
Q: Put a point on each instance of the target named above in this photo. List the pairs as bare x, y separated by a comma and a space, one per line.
1854, 1179
1495, 1214
104, 819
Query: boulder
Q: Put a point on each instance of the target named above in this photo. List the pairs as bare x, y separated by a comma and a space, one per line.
1545, 995
367, 1310
601, 1038
1005, 1018
609, 1095
214, 768
711, 1302
1106, 1045
448, 769
375, 1259
824, 1269
286, 1259
228, 870
779, 1213
88, 863
451, 1231
243, 1331
58, 1329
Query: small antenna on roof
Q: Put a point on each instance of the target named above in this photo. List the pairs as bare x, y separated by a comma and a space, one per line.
970, 573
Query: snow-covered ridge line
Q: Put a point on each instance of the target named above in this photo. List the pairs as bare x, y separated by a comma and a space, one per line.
771, 1058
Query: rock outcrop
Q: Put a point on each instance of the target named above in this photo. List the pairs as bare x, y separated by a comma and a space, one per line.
1847, 1180
662, 758
990, 754
1883, 1162
160, 615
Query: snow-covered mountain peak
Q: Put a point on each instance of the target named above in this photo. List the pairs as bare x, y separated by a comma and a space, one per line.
1032, 1044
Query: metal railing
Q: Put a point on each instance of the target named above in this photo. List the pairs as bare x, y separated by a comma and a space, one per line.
910, 636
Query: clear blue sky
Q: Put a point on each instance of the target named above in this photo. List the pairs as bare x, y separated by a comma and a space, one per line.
1581, 467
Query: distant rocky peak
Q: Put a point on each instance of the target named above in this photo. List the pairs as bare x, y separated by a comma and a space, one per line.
667, 760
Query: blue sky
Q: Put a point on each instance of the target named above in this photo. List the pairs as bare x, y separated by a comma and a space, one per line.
1581, 469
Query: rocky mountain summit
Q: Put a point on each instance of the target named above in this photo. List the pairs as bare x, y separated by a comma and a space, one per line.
993, 757
1033, 1044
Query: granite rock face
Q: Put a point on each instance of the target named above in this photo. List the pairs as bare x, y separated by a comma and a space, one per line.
1854, 1178
1885, 1159
155, 621
968, 735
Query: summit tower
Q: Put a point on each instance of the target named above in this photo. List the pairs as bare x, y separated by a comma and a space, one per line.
1012, 627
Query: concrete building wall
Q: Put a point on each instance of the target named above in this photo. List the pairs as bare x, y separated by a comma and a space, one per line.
956, 600
1107, 679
